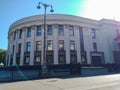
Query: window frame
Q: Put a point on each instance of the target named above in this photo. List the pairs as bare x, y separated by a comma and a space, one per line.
61, 45
49, 30
38, 45
39, 31
49, 44
28, 46
71, 30
60, 30
72, 45
29, 30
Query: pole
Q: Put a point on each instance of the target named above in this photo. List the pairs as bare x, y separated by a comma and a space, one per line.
44, 70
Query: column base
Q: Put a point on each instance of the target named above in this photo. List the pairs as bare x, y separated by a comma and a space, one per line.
44, 72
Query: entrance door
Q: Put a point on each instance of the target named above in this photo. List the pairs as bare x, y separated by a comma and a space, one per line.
96, 60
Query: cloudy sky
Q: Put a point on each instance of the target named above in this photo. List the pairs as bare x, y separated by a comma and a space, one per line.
13, 10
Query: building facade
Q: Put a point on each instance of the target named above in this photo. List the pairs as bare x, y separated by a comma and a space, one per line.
70, 39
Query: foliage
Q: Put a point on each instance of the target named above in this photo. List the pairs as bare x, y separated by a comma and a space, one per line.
2, 56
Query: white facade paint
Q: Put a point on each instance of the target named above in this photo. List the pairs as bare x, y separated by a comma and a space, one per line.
105, 31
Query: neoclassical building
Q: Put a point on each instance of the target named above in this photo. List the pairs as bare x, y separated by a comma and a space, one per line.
70, 39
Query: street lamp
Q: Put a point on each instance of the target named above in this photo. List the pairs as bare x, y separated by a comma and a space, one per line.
44, 70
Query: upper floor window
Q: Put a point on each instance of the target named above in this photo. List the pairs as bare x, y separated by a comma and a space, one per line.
49, 45
95, 46
61, 44
19, 48
93, 33
29, 32
38, 45
20, 34
39, 31
72, 45
60, 30
28, 46
71, 30
13, 49
14, 36
49, 30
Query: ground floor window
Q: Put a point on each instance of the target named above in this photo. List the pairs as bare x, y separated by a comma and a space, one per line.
83, 59
37, 59
17, 60
11, 60
27, 60
96, 60
73, 59
62, 59
49, 59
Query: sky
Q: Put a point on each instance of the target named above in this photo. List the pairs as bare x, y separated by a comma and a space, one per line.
13, 10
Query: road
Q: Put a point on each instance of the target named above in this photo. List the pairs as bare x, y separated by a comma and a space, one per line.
105, 82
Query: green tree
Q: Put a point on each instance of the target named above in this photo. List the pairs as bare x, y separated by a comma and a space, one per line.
2, 56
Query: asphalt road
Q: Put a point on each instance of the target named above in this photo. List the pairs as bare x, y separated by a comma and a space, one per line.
105, 82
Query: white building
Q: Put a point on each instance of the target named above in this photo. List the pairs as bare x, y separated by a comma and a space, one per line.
70, 39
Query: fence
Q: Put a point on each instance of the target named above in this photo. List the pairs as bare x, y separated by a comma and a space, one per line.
33, 72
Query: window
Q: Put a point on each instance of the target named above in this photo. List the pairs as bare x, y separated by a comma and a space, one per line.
17, 60
29, 32
62, 59
49, 30
37, 59
61, 31
20, 34
71, 30
19, 48
81, 39
94, 46
39, 31
28, 46
49, 59
27, 60
72, 45
93, 33
73, 59
13, 49
38, 45
11, 60
14, 36
49, 45
83, 59
61, 44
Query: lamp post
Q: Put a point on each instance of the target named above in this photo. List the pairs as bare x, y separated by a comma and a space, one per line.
44, 70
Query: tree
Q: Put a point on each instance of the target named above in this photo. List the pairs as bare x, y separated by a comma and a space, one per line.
2, 56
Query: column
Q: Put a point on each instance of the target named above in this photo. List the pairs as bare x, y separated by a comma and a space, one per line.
15, 47
55, 43
77, 43
88, 43
32, 45
23, 43
67, 43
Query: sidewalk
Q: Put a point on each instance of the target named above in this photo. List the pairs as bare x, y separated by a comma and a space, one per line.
105, 82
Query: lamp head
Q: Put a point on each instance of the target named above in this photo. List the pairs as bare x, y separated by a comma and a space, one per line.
38, 7
51, 10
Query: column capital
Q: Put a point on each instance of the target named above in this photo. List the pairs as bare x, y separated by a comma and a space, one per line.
33, 27
24, 28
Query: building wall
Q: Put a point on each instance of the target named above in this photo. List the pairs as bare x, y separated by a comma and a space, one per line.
105, 33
